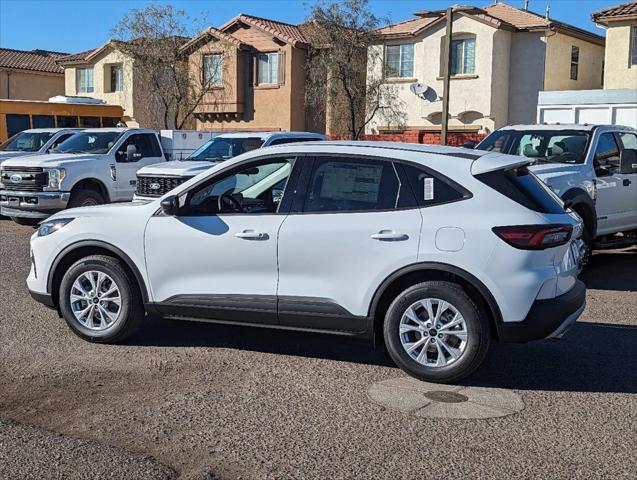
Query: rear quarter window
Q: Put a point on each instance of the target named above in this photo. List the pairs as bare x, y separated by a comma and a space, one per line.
432, 189
523, 187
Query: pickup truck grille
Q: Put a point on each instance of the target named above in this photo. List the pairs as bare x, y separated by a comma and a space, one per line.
24, 179
157, 186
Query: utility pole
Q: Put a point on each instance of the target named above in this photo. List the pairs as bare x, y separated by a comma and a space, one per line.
446, 73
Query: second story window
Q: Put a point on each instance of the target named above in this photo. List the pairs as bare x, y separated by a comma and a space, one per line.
633, 45
268, 68
574, 62
84, 80
463, 56
117, 78
399, 61
212, 69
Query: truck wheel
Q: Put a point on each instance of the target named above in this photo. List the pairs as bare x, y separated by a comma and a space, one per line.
587, 235
100, 300
435, 332
31, 222
85, 198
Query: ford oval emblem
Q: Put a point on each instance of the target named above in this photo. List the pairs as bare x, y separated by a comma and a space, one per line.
16, 178
154, 186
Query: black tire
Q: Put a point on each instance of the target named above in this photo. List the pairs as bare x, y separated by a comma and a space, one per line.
132, 310
29, 222
587, 235
85, 197
477, 324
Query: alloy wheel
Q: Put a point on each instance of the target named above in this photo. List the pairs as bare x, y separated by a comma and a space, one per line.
95, 300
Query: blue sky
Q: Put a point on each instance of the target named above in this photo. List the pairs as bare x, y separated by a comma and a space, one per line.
77, 25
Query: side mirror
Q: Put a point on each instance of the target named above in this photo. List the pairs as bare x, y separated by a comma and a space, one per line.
170, 205
628, 161
131, 153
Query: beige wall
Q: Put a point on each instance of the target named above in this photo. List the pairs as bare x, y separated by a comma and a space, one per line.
101, 84
557, 74
618, 73
526, 76
21, 85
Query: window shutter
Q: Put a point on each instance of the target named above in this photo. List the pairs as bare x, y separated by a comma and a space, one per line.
281, 65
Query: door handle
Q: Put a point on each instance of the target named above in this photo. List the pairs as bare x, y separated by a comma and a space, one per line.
389, 235
626, 182
251, 235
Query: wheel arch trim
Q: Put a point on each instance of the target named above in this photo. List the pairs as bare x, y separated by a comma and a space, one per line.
103, 245
442, 268
579, 196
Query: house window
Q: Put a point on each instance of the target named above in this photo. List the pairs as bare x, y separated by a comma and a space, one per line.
212, 69
633, 45
463, 56
117, 78
399, 61
84, 80
268, 68
574, 62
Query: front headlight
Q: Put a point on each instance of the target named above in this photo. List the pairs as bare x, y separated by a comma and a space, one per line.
56, 175
52, 226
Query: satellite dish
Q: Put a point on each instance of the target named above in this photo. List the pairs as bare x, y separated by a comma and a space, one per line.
424, 91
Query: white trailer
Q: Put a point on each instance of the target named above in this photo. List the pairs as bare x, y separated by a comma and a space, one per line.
178, 144
601, 107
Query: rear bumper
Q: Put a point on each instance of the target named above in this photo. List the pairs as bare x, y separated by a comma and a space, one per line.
32, 204
550, 318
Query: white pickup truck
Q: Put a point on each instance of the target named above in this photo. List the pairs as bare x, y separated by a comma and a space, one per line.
593, 168
92, 167
34, 142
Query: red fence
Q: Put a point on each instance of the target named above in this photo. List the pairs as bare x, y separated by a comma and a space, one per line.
419, 136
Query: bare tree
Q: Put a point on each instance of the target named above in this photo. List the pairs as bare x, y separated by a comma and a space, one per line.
168, 83
342, 36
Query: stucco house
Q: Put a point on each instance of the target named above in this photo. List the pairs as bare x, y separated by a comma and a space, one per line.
257, 68
501, 58
30, 74
108, 73
620, 69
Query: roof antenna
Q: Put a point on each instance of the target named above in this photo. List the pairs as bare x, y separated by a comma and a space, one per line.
526, 5
548, 9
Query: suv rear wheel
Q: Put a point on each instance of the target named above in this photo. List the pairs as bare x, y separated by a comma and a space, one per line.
435, 332
99, 300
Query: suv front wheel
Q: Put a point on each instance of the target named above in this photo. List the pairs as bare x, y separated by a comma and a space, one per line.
99, 300
435, 332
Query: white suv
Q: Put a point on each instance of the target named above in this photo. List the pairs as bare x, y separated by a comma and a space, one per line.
437, 250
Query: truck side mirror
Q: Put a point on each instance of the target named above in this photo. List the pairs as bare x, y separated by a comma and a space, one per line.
131, 153
470, 145
170, 205
628, 161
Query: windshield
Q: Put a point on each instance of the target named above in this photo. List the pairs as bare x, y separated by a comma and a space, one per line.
26, 142
220, 148
540, 146
88, 142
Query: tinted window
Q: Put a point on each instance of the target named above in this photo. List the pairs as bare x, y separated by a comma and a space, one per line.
220, 148
144, 144
89, 142
60, 139
16, 123
110, 122
606, 154
90, 122
42, 121
281, 141
65, 121
429, 189
349, 185
26, 141
524, 188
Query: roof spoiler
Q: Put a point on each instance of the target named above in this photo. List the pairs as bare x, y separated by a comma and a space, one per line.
497, 161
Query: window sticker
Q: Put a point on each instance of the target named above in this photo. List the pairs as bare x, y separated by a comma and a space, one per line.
351, 181
429, 188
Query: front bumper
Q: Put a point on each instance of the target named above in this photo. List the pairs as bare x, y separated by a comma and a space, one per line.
550, 318
43, 298
32, 204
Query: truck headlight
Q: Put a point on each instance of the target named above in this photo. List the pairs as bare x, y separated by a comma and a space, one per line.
51, 226
56, 175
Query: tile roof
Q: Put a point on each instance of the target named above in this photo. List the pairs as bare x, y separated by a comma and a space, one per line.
617, 12
33, 60
212, 32
284, 31
408, 27
76, 57
520, 19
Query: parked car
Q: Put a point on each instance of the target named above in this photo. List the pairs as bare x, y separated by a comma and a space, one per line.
156, 180
92, 167
34, 142
435, 250
591, 167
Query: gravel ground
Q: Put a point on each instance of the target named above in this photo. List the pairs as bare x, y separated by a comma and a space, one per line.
191, 401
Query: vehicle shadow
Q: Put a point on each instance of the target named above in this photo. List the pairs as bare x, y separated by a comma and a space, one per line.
614, 270
593, 357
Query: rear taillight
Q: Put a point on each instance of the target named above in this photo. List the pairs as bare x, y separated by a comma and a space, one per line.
535, 237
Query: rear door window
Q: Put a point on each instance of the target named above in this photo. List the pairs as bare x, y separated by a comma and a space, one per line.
432, 189
524, 188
